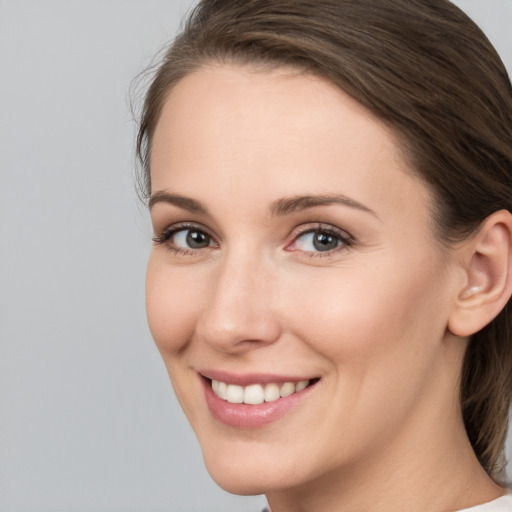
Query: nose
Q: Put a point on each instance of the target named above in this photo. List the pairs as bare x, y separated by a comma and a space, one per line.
239, 313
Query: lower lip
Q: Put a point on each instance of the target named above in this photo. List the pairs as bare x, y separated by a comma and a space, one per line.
245, 416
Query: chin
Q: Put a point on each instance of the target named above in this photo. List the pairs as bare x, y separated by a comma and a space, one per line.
241, 485
239, 478
259, 473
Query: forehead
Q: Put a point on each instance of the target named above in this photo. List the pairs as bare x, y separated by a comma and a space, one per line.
218, 105
272, 134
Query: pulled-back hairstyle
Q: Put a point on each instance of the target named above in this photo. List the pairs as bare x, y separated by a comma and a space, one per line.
428, 72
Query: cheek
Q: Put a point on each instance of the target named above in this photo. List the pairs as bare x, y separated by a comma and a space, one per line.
385, 309
378, 329
172, 304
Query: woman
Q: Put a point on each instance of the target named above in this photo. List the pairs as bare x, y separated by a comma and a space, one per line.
330, 185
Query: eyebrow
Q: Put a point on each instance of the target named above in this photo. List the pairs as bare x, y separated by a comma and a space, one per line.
283, 206
185, 203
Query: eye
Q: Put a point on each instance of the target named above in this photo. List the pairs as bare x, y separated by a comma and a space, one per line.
191, 239
320, 239
183, 238
317, 241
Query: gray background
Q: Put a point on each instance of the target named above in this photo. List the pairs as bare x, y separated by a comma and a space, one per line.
88, 421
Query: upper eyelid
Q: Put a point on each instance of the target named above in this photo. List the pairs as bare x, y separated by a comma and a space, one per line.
346, 239
164, 235
179, 226
330, 228
168, 226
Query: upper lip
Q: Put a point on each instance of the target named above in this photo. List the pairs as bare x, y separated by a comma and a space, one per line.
247, 379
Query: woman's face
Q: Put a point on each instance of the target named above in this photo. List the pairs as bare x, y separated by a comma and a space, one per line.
293, 248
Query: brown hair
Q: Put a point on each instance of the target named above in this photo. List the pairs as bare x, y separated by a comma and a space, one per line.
427, 71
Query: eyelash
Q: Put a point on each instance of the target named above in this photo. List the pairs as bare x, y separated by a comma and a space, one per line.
345, 240
164, 237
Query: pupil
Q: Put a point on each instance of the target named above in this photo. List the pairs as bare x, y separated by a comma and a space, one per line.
324, 242
197, 240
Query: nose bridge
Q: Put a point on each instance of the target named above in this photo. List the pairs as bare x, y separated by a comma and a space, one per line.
240, 306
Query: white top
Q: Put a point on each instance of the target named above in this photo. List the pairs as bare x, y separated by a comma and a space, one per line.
503, 504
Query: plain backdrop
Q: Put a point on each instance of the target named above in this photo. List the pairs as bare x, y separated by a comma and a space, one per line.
88, 421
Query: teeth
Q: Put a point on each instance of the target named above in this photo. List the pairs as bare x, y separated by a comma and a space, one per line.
235, 394
222, 391
271, 392
303, 384
256, 394
287, 389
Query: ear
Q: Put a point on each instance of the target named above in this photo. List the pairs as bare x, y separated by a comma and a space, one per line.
487, 287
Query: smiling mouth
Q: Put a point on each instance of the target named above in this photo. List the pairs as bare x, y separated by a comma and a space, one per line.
256, 394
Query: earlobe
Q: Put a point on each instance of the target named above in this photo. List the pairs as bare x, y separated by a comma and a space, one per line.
488, 270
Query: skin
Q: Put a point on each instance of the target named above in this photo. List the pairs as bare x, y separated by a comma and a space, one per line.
382, 427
